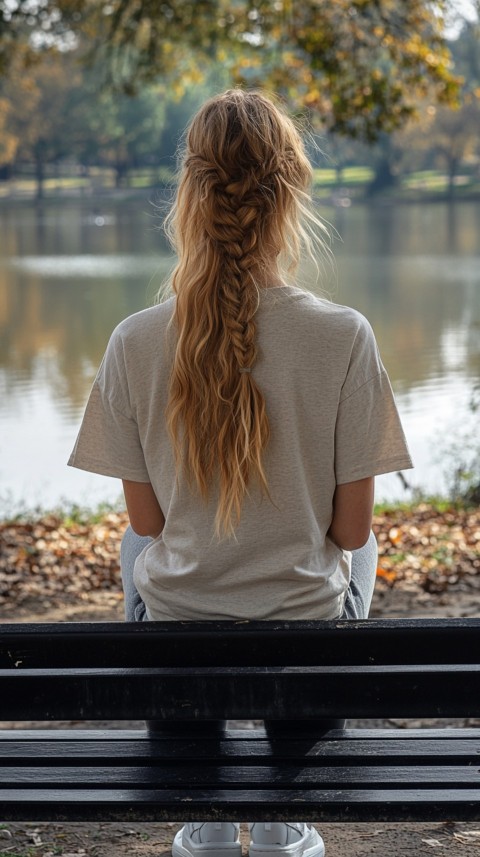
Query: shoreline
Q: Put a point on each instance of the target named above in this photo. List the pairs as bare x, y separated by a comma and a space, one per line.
338, 196
66, 566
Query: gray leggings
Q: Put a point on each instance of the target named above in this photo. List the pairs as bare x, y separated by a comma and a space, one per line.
357, 606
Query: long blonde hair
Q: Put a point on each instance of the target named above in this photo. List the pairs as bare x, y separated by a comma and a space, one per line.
242, 196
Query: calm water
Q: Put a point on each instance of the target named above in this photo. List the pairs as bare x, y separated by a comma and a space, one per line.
69, 274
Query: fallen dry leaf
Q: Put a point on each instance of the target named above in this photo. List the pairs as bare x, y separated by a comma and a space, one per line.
467, 837
369, 835
34, 835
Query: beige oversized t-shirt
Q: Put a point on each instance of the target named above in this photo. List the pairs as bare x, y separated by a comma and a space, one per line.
333, 420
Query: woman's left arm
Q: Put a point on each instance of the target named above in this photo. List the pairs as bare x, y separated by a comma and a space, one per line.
146, 516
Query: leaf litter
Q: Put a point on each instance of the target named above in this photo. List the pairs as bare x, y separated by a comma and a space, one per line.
49, 561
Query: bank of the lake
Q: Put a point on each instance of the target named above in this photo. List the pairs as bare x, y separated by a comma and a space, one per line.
331, 186
66, 566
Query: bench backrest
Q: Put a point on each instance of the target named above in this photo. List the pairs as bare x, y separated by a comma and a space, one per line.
237, 670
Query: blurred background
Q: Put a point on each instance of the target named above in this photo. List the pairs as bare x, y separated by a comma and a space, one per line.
94, 97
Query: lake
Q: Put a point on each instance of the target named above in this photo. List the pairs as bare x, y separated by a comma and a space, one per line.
70, 272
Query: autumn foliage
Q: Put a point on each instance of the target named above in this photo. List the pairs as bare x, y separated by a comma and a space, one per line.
360, 66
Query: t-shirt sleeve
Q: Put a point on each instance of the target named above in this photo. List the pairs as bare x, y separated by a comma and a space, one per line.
108, 441
369, 438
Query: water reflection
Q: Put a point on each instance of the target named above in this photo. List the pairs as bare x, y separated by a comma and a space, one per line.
69, 274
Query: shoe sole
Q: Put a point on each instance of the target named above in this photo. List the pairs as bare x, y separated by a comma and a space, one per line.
206, 849
311, 846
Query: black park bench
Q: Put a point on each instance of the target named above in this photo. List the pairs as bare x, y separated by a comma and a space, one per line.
256, 670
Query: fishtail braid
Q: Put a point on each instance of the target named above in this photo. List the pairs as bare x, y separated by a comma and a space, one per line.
241, 195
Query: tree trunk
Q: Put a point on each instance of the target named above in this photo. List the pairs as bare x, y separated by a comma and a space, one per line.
120, 173
452, 172
6, 172
383, 179
39, 174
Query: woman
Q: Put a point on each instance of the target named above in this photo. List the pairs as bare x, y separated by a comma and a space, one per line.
246, 418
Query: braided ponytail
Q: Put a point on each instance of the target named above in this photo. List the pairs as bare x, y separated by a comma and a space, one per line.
241, 193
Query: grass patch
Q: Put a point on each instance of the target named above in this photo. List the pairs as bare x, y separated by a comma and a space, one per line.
77, 514
433, 181
435, 503
28, 852
350, 176
70, 514
67, 514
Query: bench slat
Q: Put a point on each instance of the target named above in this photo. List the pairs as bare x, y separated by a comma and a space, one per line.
233, 734
130, 644
380, 749
242, 693
238, 776
256, 805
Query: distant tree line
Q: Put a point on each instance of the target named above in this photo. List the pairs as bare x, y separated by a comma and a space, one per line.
54, 113
112, 85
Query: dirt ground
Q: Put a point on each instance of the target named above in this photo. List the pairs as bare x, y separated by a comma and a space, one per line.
405, 597
149, 840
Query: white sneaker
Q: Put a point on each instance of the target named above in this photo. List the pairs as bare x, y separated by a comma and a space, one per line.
273, 839
207, 839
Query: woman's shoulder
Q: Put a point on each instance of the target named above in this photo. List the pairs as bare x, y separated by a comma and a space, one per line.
145, 323
313, 310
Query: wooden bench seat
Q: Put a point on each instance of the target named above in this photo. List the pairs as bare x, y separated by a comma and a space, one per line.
277, 670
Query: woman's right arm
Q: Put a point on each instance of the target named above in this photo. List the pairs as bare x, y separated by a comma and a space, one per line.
146, 516
352, 514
